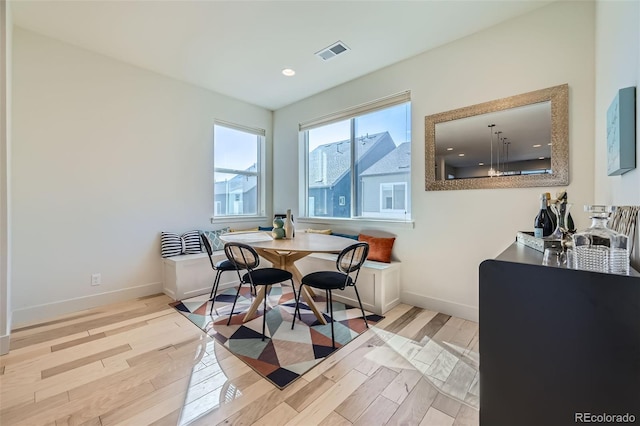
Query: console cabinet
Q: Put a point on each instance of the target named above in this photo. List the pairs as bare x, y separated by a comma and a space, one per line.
556, 343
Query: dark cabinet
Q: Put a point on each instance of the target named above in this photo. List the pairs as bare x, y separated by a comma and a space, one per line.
556, 343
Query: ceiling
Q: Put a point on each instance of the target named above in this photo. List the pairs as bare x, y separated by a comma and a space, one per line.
239, 48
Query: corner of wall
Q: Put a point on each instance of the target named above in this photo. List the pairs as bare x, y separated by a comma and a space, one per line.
6, 29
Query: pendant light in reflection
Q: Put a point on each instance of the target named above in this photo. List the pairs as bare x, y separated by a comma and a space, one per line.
492, 172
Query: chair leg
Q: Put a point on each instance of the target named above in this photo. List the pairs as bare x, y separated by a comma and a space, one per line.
214, 290
364, 317
234, 304
264, 313
293, 287
297, 308
333, 338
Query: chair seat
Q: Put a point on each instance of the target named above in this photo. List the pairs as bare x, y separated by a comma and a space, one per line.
267, 276
225, 265
327, 280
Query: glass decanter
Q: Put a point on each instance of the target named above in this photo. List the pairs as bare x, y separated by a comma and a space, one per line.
561, 233
599, 248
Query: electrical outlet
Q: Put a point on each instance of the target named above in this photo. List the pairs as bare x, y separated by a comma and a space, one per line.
96, 279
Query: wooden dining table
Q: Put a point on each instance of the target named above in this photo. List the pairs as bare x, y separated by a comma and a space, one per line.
283, 254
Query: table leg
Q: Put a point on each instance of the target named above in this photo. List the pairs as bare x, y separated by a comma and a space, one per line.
312, 305
261, 293
286, 261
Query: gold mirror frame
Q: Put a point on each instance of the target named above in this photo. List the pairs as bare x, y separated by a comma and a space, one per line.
559, 97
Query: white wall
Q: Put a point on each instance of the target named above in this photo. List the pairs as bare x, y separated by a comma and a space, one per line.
105, 156
6, 28
617, 67
456, 230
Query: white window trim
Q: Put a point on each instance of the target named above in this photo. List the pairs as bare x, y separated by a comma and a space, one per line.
392, 184
259, 173
359, 222
386, 102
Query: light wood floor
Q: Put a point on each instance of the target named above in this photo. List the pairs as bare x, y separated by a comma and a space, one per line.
141, 362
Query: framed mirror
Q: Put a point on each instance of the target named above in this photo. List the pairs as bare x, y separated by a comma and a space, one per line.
515, 142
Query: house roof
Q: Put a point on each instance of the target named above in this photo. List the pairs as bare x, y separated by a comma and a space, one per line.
329, 162
397, 161
237, 183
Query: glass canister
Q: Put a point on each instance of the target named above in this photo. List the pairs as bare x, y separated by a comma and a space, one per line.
599, 248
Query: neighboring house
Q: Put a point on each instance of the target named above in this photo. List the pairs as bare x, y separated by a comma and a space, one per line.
385, 185
236, 195
330, 172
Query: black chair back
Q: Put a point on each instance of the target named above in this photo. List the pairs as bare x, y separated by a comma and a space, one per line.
351, 258
207, 247
242, 256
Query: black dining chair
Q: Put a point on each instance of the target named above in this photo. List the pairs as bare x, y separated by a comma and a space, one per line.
349, 260
243, 257
219, 268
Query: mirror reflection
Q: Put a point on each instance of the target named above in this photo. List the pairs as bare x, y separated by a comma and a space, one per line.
503, 143
515, 142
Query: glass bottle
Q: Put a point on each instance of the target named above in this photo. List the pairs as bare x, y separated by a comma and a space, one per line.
562, 197
561, 233
599, 248
542, 224
551, 211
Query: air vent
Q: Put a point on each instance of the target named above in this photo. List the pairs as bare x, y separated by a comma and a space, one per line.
332, 51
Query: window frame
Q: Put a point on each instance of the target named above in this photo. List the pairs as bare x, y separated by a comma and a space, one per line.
350, 114
393, 185
259, 173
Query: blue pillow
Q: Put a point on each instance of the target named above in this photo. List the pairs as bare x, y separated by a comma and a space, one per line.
353, 237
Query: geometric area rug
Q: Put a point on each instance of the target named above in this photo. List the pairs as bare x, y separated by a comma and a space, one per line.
285, 354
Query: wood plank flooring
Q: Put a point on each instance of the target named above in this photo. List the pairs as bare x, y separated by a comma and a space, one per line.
142, 363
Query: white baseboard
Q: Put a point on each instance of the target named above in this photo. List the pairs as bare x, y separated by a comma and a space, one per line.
459, 310
4, 344
47, 311
194, 293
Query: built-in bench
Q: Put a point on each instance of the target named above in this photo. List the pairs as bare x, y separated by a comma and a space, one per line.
378, 282
191, 275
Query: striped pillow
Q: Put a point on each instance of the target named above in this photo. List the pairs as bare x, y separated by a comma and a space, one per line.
175, 245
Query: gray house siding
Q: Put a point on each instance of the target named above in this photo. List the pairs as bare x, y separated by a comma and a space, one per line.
371, 192
330, 173
394, 168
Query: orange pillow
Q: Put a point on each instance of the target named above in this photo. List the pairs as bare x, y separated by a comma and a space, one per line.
379, 248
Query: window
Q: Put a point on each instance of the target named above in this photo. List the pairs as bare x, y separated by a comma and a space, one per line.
237, 160
393, 197
358, 162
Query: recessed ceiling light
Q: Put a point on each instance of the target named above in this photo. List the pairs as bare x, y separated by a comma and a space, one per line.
540, 158
460, 155
449, 149
537, 145
549, 144
480, 164
288, 72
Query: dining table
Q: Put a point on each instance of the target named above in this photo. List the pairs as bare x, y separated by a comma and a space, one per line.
283, 253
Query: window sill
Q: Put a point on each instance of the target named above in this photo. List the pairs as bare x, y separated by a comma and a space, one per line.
346, 222
237, 219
